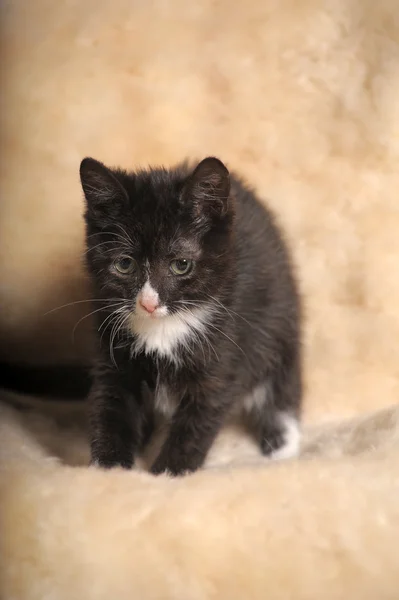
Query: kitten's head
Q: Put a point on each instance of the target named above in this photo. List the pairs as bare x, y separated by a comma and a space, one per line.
159, 241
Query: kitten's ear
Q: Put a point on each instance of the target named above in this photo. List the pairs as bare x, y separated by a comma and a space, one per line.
102, 190
208, 187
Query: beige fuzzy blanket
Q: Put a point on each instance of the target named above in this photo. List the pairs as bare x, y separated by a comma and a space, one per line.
325, 526
301, 96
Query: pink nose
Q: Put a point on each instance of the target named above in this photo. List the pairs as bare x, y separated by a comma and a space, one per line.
148, 305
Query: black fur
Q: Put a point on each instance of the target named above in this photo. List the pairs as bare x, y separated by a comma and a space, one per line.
242, 272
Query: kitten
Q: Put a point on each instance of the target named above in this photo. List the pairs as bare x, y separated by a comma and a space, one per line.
197, 302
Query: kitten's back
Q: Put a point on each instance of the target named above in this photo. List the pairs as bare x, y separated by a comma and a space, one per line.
263, 260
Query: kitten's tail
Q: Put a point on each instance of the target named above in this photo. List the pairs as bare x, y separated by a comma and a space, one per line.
70, 382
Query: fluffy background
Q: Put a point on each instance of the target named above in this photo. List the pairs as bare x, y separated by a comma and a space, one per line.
300, 96
325, 526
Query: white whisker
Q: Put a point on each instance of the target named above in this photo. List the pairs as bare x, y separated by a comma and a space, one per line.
210, 324
116, 244
125, 235
109, 319
230, 312
82, 302
107, 322
89, 315
226, 336
120, 320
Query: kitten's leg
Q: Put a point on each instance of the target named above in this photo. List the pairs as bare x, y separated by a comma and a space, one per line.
273, 410
194, 427
115, 425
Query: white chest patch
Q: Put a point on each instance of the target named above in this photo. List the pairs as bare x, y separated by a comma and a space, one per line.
162, 335
165, 402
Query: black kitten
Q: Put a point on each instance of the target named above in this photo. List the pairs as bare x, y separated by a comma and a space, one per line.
198, 304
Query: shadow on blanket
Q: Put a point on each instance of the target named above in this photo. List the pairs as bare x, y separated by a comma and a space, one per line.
61, 430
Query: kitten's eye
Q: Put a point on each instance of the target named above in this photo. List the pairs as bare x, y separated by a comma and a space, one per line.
125, 265
181, 266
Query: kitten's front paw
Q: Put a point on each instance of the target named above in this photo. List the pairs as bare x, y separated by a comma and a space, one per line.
168, 468
110, 463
